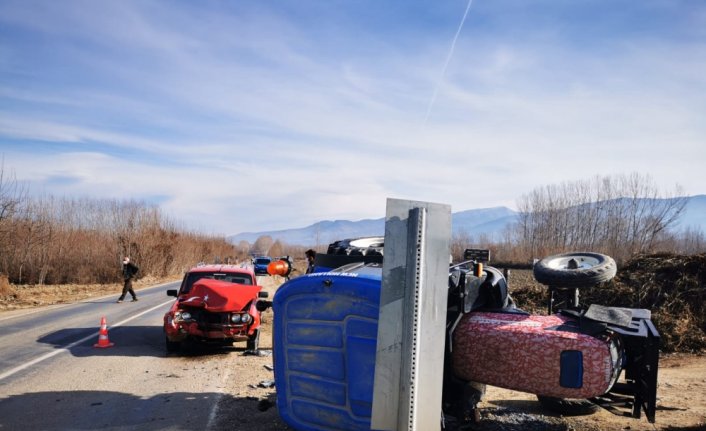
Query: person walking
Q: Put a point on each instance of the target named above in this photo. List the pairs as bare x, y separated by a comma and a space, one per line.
129, 271
310, 256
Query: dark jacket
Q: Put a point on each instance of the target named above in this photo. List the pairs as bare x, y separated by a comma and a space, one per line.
129, 270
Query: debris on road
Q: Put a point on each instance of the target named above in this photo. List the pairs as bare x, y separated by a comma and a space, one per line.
267, 384
257, 353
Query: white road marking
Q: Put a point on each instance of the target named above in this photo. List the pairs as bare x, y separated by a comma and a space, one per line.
219, 398
35, 361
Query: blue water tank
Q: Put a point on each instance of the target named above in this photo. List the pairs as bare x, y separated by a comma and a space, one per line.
325, 335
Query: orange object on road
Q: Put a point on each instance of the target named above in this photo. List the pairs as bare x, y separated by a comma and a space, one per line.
103, 340
279, 267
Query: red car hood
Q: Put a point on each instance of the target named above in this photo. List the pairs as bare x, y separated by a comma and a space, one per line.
219, 296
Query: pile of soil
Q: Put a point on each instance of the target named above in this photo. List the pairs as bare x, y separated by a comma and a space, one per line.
672, 286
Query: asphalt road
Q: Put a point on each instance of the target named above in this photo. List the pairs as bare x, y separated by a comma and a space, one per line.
53, 378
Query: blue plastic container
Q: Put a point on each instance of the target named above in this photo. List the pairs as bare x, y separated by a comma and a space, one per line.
325, 335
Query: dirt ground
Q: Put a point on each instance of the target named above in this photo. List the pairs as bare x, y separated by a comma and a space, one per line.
251, 405
681, 405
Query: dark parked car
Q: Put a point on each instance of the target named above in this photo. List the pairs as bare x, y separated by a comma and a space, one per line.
260, 264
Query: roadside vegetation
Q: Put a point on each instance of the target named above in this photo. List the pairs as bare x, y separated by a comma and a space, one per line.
49, 240
59, 249
623, 216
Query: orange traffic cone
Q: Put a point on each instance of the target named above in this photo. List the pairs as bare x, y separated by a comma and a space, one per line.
103, 340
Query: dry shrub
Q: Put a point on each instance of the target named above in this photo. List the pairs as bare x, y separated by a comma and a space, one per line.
674, 288
5, 286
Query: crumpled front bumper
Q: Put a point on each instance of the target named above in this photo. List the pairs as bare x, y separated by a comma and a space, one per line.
181, 330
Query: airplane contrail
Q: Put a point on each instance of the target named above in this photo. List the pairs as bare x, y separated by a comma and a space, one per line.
446, 64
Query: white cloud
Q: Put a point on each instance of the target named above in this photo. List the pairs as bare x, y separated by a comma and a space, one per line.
242, 118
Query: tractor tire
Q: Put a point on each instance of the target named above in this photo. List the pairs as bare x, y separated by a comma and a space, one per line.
357, 246
568, 406
580, 269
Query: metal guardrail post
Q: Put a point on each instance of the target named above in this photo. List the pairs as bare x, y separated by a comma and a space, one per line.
409, 359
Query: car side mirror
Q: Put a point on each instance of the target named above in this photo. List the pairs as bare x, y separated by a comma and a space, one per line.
172, 292
262, 294
263, 305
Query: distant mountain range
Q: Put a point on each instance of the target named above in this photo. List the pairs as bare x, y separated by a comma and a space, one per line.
490, 222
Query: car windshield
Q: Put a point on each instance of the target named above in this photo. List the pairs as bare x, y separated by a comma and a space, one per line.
263, 260
231, 277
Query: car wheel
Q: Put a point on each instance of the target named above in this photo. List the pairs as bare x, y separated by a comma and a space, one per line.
582, 269
254, 341
172, 346
568, 406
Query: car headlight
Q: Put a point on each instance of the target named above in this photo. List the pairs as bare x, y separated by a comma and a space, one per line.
235, 318
246, 318
185, 315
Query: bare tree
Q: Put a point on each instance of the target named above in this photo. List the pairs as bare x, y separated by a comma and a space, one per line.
56, 241
262, 245
277, 249
11, 196
620, 215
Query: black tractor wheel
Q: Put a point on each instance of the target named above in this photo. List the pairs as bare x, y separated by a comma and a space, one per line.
358, 246
568, 406
254, 341
581, 269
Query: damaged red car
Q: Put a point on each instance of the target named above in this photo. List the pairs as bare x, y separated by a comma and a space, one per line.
216, 304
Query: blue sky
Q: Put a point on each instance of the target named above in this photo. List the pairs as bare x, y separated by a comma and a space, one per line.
252, 115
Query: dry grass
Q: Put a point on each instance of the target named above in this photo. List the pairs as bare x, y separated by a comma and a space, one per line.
6, 288
14, 297
27, 296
